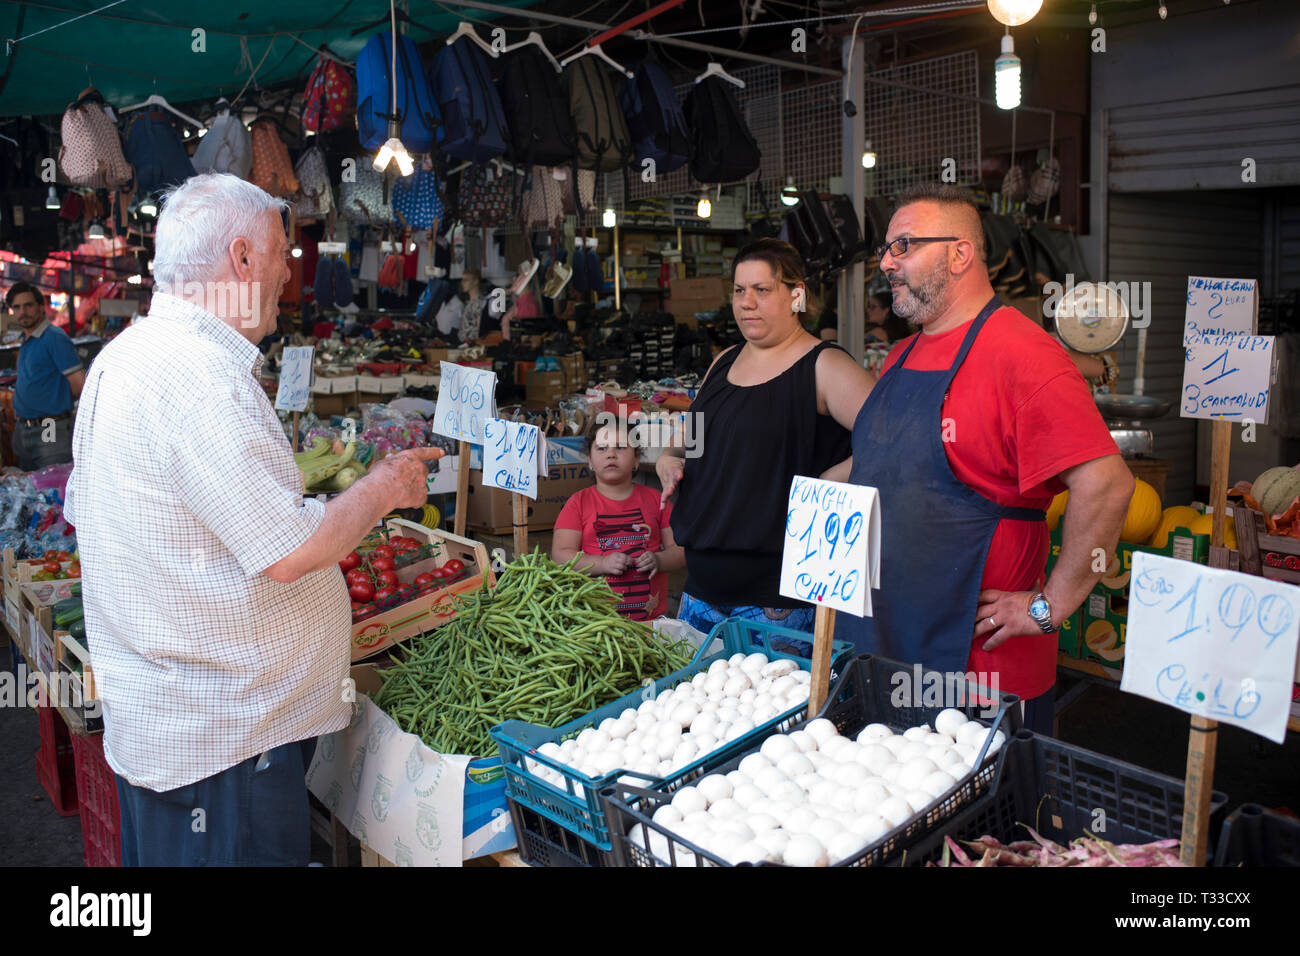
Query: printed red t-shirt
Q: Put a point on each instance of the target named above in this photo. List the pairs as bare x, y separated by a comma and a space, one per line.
1018, 413
632, 526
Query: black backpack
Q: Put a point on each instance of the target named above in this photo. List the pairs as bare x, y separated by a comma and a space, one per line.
722, 148
603, 142
655, 120
536, 105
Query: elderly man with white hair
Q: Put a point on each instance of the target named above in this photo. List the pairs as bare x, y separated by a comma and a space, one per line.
217, 617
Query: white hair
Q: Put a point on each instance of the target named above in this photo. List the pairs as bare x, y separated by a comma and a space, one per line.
199, 220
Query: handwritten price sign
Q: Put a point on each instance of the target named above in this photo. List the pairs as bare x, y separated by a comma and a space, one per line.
832, 544
511, 458
1214, 643
295, 378
466, 400
1227, 368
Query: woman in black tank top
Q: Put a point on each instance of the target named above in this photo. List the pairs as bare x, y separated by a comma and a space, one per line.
782, 404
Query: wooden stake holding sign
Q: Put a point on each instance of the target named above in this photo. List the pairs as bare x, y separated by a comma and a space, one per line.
831, 560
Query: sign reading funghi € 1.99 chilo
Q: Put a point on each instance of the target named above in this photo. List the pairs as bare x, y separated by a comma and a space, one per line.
832, 544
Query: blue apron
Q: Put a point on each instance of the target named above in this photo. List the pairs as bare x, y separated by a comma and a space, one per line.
935, 531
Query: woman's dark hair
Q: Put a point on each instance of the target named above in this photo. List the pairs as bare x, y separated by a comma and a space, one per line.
18, 288
786, 264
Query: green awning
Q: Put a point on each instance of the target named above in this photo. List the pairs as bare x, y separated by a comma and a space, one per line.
140, 47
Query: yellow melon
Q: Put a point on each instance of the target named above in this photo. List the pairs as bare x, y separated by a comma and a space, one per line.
1114, 578
1143, 514
1175, 516
1204, 524
1056, 509
1102, 640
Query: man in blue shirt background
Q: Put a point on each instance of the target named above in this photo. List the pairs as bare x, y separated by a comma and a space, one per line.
50, 377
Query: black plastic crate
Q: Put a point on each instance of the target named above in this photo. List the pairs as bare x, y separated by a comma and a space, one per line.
1064, 792
543, 842
865, 694
1256, 836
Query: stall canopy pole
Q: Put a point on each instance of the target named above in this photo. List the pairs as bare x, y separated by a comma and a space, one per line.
1202, 745
852, 326
629, 24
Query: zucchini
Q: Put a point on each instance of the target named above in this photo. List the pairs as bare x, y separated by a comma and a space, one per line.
77, 629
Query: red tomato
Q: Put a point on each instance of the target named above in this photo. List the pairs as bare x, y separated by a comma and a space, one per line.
388, 579
454, 566
383, 551
51, 555
52, 566
362, 591
74, 569
383, 594
424, 580
65, 555
356, 574
383, 564
353, 560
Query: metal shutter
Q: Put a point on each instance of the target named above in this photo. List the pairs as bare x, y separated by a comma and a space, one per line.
1162, 239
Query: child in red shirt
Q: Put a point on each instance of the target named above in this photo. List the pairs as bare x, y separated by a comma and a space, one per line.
618, 528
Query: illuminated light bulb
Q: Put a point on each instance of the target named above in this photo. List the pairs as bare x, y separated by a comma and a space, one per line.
135, 279
296, 252
609, 219
1014, 12
1163, 11
405, 165
1006, 76
203, 132
704, 209
790, 193
385, 154
96, 231
868, 156
148, 208
52, 200
1092, 15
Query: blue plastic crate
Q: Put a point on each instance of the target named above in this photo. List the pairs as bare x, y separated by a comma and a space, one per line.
578, 807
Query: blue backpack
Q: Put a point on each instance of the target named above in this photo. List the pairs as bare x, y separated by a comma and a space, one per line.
655, 119
473, 121
153, 148
416, 110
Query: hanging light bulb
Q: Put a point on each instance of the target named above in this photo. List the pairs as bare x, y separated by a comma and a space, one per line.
704, 208
52, 200
790, 194
1092, 16
96, 231
394, 150
609, 219
296, 252
1014, 12
868, 156
405, 165
136, 279
1006, 76
148, 207
203, 132
1163, 10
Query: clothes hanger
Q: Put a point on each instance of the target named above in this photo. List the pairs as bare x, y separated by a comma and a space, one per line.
156, 100
715, 69
535, 39
599, 51
466, 29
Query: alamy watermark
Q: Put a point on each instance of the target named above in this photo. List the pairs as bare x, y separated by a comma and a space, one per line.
643, 433
922, 688
239, 300
1091, 300
24, 689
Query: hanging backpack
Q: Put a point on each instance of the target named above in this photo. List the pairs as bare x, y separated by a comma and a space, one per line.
417, 199
722, 148
227, 146
317, 199
155, 150
366, 197
473, 124
536, 109
91, 154
272, 170
655, 119
543, 199
416, 111
603, 141
329, 99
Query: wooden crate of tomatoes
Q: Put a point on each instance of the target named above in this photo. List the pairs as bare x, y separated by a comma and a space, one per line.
404, 583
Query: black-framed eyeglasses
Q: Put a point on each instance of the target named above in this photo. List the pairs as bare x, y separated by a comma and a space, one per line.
898, 248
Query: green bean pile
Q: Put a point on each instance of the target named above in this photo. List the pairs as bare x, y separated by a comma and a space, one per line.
546, 645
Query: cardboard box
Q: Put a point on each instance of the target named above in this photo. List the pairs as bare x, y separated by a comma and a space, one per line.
545, 387
568, 473
334, 404
574, 368
434, 357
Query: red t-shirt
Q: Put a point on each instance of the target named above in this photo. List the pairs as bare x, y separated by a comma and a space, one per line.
632, 526
1018, 413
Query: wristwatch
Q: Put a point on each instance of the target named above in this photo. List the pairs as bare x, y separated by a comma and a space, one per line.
1040, 609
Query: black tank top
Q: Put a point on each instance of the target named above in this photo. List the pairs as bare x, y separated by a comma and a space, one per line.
731, 504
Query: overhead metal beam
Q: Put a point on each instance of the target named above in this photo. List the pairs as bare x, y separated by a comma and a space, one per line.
529, 13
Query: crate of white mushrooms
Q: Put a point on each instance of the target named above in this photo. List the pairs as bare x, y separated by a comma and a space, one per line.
667, 734
872, 775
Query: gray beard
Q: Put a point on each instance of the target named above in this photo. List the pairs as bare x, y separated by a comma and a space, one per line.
926, 298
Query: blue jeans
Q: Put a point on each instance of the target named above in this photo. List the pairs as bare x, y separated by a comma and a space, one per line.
255, 813
703, 616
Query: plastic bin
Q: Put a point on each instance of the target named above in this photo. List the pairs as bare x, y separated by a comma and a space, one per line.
543, 842
579, 808
866, 694
1063, 792
101, 824
54, 762
1255, 836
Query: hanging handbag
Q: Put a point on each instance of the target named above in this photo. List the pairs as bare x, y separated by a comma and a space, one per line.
365, 197
316, 198
416, 198
486, 196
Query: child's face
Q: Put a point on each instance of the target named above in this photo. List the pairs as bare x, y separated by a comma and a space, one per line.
611, 458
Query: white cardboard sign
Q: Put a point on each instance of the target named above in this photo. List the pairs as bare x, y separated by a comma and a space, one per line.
1227, 377
1211, 642
1221, 306
466, 400
832, 544
295, 378
511, 458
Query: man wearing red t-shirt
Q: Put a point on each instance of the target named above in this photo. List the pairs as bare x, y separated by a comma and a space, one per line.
976, 423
